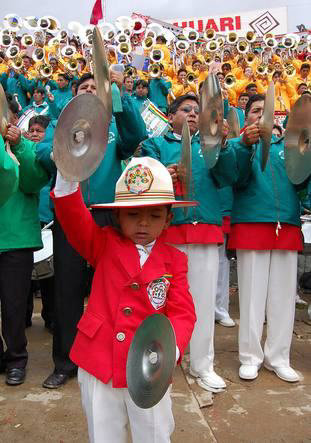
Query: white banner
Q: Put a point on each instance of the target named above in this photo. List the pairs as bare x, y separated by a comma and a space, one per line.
261, 21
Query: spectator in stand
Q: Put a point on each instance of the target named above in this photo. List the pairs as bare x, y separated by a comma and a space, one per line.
128, 85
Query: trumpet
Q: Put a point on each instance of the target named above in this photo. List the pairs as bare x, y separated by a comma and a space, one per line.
27, 40
271, 42
209, 34
155, 70
230, 80
68, 51
45, 70
243, 46
232, 38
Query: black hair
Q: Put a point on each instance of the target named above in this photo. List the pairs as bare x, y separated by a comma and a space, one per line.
181, 70
243, 94
305, 65
253, 98
250, 85
142, 83
162, 39
65, 76
84, 78
227, 65
13, 105
39, 90
41, 120
276, 73
2, 54
173, 108
196, 61
278, 127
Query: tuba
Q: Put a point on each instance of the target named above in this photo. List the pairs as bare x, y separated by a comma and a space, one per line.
45, 70
124, 48
209, 34
156, 55
230, 80
72, 64
5, 40
38, 54
191, 34
191, 77
250, 36
148, 43
262, 69
232, 38
12, 51
27, 40
243, 47
212, 46
17, 63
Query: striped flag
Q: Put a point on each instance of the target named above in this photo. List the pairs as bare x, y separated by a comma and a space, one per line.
98, 12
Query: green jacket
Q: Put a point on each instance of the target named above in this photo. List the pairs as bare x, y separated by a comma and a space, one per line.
61, 98
263, 197
158, 90
9, 174
127, 129
167, 150
19, 221
226, 200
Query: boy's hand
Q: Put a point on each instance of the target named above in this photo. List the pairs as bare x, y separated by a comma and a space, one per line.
172, 169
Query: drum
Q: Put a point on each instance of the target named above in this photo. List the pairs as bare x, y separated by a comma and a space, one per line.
43, 259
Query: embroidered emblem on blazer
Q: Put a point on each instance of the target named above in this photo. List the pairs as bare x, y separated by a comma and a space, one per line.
157, 291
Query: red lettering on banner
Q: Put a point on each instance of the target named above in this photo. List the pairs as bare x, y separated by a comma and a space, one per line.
184, 24
191, 24
237, 22
226, 22
211, 25
176, 24
200, 25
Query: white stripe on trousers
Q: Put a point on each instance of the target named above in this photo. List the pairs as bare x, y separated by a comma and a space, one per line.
222, 294
267, 285
203, 263
109, 410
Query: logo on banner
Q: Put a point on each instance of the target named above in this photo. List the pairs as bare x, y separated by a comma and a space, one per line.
264, 23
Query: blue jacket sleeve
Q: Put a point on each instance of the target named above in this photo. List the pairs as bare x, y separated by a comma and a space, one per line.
45, 148
131, 128
150, 149
225, 172
244, 160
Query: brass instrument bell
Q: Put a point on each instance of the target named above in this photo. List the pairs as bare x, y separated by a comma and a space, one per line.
232, 38
230, 80
12, 51
209, 34
243, 46
5, 40
148, 43
155, 70
27, 40
250, 36
38, 54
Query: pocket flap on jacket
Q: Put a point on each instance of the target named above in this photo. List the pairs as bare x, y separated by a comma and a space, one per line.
89, 324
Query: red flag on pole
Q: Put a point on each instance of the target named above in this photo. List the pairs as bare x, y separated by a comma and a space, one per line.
98, 12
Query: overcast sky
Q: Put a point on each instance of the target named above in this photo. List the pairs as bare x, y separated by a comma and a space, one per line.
299, 11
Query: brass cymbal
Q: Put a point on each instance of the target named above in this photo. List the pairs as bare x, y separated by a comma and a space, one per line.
185, 165
266, 125
151, 361
81, 137
234, 123
211, 119
101, 70
298, 141
4, 112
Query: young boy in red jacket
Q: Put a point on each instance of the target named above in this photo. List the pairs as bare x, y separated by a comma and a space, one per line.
136, 275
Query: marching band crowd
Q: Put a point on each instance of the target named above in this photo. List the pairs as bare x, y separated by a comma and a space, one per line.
240, 207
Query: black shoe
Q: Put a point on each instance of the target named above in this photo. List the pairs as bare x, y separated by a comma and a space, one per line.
15, 376
55, 380
2, 367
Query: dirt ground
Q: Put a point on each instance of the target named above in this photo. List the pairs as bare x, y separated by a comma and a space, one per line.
264, 410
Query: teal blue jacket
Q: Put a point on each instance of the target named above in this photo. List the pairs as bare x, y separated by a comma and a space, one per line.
39, 109
239, 111
13, 85
139, 102
158, 90
263, 197
9, 174
167, 150
126, 131
61, 98
226, 200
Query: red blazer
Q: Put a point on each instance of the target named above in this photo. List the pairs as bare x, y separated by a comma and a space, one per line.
123, 294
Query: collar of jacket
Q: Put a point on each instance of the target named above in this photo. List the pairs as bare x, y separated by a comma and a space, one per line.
170, 136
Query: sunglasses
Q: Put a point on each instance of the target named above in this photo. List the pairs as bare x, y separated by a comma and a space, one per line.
188, 109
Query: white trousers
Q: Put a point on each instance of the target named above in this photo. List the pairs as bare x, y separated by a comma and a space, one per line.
109, 410
203, 263
267, 285
222, 294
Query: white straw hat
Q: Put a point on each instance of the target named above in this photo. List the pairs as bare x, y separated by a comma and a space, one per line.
144, 182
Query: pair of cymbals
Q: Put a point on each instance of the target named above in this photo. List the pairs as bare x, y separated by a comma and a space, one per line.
266, 125
211, 119
298, 141
185, 165
81, 134
151, 361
